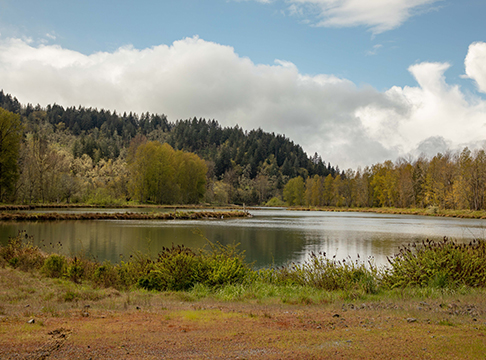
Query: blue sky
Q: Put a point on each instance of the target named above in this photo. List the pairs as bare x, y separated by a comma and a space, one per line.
357, 73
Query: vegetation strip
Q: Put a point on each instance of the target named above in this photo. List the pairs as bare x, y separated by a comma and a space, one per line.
10, 207
123, 216
443, 264
466, 214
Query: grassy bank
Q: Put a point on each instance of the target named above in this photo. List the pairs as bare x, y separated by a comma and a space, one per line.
179, 215
431, 211
128, 205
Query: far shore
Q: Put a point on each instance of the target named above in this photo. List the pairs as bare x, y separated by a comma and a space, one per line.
430, 211
466, 214
175, 215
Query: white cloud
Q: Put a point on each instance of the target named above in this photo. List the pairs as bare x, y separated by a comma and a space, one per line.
374, 50
435, 110
377, 15
475, 64
347, 125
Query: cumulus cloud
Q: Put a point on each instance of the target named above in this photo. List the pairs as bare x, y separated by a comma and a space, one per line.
475, 68
377, 15
346, 124
438, 115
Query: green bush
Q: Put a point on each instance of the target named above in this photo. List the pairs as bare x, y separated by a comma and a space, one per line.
275, 201
222, 265
219, 270
174, 269
76, 270
129, 272
54, 266
106, 276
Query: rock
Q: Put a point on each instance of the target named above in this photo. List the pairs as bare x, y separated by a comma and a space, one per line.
85, 314
411, 320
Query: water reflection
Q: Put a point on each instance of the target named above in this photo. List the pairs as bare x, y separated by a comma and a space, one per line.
271, 237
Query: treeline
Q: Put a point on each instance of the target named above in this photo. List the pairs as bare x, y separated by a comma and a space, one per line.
447, 181
84, 155
57, 154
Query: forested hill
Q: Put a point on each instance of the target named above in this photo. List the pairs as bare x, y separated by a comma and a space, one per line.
231, 153
101, 133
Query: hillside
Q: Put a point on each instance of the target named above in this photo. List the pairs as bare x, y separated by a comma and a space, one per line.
242, 166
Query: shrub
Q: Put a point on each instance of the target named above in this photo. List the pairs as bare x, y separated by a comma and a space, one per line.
22, 255
222, 265
174, 269
275, 201
129, 272
54, 266
106, 276
75, 270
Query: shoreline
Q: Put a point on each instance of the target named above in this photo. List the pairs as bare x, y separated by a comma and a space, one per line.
462, 214
176, 215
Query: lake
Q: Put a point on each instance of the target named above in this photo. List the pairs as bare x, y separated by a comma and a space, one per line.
271, 237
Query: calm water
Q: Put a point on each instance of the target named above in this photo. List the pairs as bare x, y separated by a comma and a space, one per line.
269, 237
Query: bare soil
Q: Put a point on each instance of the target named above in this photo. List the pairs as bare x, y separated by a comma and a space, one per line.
106, 324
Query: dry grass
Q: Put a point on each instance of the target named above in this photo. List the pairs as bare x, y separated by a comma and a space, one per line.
185, 215
431, 211
147, 325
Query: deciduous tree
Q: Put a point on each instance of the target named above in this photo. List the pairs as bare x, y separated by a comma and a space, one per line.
10, 135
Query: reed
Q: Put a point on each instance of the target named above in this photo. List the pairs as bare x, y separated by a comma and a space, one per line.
438, 264
330, 274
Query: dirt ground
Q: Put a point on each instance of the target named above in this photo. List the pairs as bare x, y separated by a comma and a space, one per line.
210, 330
47, 319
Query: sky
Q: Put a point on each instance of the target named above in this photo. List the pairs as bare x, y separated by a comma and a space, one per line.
358, 82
